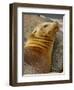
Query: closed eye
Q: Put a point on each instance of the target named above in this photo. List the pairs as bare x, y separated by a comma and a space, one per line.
45, 26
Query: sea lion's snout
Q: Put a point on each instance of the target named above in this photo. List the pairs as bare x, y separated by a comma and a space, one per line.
53, 27
56, 26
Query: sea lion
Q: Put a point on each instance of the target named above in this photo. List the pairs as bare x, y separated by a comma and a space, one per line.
38, 48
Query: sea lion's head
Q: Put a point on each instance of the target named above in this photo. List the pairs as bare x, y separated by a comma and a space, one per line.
46, 30
43, 34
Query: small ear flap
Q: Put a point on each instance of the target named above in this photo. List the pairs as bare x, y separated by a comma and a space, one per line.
34, 31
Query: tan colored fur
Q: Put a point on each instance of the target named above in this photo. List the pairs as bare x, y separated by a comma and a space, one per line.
39, 46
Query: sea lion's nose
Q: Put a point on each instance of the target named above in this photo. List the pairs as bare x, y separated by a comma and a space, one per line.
56, 26
55, 23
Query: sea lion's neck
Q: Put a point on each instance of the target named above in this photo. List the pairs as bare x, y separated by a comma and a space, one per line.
41, 43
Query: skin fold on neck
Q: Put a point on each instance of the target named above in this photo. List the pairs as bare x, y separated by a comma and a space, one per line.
41, 43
